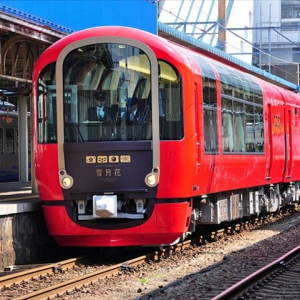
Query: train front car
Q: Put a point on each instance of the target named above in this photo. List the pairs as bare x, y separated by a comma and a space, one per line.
109, 111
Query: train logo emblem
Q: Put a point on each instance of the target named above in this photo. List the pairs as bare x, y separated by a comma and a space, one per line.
125, 158
108, 159
114, 159
102, 159
90, 159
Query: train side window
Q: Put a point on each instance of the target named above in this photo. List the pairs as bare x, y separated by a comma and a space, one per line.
259, 129
210, 120
239, 128
227, 125
210, 115
170, 103
258, 95
250, 128
46, 105
1, 141
9, 141
242, 112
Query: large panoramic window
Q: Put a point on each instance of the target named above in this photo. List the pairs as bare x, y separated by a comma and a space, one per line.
242, 112
46, 105
107, 95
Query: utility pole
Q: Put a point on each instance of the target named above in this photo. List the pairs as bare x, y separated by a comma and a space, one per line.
222, 25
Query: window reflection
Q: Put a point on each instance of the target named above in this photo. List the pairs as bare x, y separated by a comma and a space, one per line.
242, 112
120, 75
210, 119
46, 105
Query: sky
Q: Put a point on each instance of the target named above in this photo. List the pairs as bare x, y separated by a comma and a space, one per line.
78, 14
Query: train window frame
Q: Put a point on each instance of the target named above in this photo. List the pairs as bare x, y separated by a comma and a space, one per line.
249, 94
210, 106
46, 105
170, 103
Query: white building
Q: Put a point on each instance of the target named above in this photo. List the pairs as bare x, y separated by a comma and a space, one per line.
278, 37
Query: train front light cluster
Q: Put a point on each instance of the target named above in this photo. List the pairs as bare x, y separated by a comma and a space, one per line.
67, 182
151, 180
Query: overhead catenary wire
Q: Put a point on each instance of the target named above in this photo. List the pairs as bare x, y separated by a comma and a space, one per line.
230, 31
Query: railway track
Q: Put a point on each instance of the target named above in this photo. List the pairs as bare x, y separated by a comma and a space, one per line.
279, 279
67, 286
26, 275
80, 281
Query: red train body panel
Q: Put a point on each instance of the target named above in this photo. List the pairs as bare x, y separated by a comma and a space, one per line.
210, 144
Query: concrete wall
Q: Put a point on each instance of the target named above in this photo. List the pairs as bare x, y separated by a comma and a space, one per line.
24, 238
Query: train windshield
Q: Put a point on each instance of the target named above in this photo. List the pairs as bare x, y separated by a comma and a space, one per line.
107, 95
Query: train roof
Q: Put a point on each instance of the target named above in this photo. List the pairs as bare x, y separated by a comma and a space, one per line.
170, 34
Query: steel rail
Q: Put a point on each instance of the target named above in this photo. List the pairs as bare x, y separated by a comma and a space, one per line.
80, 281
18, 277
240, 286
93, 277
84, 280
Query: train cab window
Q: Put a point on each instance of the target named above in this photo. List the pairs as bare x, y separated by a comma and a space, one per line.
1, 141
9, 141
46, 105
107, 94
210, 119
120, 76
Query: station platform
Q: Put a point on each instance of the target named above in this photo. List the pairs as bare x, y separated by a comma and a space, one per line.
23, 234
17, 197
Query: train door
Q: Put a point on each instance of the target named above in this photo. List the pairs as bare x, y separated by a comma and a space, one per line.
197, 124
288, 125
270, 134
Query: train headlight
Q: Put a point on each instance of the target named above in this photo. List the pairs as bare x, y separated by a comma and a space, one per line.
67, 182
151, 180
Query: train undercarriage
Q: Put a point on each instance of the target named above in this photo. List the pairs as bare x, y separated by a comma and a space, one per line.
210, 209
230, 206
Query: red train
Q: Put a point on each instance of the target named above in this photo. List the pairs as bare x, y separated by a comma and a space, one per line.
138, 140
